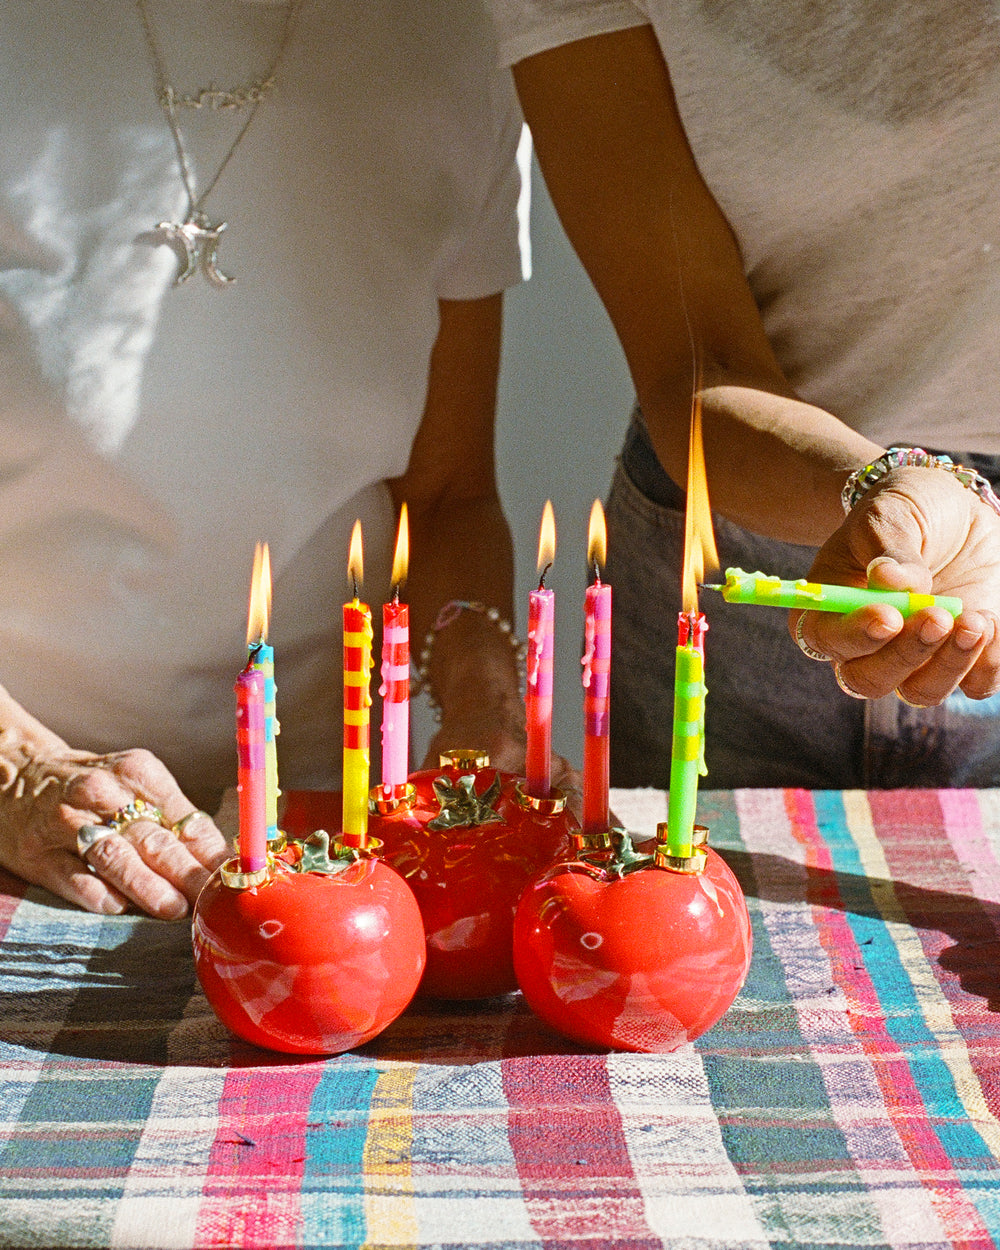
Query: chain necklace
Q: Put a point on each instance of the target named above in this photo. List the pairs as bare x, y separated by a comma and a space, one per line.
196, 238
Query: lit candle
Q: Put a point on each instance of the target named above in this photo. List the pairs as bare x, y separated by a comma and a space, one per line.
768, 591
251, 770
357, 701
596, 682
395, 687
261, 657
687, 755
538, 688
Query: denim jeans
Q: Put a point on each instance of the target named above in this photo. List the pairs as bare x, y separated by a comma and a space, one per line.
773, 716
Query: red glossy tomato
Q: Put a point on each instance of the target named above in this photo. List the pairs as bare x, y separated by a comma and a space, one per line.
309, 963
467, 879
645, 961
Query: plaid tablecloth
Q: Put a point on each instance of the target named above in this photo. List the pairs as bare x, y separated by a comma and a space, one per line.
849, 1098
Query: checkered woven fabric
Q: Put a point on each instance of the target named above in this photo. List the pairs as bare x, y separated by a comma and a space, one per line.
850, 1097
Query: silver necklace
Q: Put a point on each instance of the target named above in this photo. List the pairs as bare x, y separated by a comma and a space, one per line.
196, 238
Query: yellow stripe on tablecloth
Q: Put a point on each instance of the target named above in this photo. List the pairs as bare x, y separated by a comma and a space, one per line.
390, 1217
934, 1006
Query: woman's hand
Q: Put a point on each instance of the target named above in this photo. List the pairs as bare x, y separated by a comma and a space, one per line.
919, 529
157, 861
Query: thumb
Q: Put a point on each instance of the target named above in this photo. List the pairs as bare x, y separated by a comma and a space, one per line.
897, 572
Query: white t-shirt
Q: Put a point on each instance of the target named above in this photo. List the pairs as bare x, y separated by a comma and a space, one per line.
855, 148
149, 435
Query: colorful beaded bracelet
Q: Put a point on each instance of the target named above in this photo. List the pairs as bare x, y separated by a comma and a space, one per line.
862, 480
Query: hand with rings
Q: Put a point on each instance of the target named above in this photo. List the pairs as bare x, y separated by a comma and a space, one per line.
106, 832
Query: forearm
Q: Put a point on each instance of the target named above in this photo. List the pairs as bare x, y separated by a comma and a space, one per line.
775, 465
472, 671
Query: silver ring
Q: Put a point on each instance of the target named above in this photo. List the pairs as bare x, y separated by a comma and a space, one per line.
843, 684
88, 835
804, 647
179, 826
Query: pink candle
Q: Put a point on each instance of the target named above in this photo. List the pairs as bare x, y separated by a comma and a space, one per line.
395, 687
596, 684
251, 769
538, 690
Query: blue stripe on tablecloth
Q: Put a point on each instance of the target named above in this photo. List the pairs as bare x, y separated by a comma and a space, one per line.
333, 1181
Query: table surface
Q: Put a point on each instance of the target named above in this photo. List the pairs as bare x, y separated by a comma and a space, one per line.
850, 1097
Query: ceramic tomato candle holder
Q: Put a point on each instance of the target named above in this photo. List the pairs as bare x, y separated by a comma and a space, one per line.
633, 949
467, 840
316, 954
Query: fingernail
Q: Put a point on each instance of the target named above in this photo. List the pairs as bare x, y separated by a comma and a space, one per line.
112, 906
933, 631
966, 639
172, 907
880, 631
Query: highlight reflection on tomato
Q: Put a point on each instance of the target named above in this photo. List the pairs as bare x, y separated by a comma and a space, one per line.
310, 963
467, 879
645, 962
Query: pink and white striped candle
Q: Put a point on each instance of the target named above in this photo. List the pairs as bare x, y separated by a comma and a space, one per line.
596, 684
251, 769
395, 692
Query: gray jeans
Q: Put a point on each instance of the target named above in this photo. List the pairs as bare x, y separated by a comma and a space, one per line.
773, 717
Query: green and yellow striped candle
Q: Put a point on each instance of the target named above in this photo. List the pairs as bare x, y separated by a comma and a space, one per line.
773, 592
687, 755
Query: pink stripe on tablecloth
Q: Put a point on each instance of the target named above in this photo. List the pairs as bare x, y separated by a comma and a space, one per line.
898, 1086
252, 1192
570, 1150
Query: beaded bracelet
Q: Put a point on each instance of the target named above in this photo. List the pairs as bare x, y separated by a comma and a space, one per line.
862, 480
451, 612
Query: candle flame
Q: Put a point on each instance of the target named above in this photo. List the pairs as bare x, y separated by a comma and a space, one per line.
700, 555
401, 556
546, 538
356, 559
259, 614
597, 537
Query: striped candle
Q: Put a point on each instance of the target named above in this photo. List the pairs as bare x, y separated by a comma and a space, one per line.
395, 687
596, 683
538, 686
357, 702
251, 770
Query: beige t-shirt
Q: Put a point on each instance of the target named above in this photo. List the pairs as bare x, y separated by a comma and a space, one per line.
855, 148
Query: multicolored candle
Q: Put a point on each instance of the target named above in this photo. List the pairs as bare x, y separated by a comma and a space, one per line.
541, 646
357, 702
395, 687
596, 683
768, 591
687, 755
251, 786
261, 658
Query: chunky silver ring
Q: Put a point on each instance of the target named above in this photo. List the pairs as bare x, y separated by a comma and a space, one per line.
805, 648
843, 684
88, 835
179, 826
138, 809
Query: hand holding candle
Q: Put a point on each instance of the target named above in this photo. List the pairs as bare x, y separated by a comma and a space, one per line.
395, 687
538, 689
357, 701
596, 683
